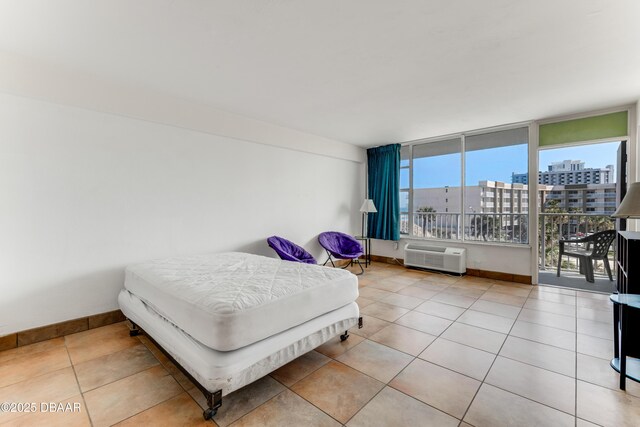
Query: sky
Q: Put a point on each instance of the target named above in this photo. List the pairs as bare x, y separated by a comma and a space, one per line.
498, 164
594, 155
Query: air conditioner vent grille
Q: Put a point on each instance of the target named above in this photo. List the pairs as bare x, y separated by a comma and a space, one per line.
417, 247
435, 257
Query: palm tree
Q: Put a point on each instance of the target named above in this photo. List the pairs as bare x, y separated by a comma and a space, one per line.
553, 224
483, 225
520, 228
425, 217
599, 223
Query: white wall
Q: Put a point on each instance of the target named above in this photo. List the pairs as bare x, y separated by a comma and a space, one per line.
41, 80
85, 193
512, 259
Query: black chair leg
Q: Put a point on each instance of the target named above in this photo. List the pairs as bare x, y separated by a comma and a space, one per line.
357, 261
559, 263
608, 268
329, 259
588, 269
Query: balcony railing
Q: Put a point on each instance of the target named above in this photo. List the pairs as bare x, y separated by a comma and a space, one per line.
484, 227
562, 226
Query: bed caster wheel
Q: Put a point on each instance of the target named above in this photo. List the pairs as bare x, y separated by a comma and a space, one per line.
209, 413
133, 329
344, 337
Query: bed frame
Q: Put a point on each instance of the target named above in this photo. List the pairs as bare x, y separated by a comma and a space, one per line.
214, 399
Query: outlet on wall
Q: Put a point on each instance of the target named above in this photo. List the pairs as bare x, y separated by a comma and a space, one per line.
396, 245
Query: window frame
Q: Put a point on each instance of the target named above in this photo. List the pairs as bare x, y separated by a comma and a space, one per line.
462, 137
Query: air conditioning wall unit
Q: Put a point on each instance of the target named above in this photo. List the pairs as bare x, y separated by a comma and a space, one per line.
453, 260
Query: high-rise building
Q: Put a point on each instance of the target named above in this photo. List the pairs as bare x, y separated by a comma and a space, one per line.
569, 172
504, 198
587, 198
486, 197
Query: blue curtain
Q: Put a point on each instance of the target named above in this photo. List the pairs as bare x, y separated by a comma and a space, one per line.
384, 189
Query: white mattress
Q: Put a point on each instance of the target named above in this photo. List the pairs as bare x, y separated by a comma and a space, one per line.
231, 370
230, 300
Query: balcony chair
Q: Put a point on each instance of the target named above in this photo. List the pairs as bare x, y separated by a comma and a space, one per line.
594, 247
289, 251
341, 246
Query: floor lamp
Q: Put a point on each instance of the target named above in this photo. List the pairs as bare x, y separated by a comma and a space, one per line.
630, 205
367, 208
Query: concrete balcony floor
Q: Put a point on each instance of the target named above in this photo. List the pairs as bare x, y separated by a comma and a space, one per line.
575, 280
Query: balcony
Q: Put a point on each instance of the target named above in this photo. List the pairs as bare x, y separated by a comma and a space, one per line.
483, 227
513, 228
554, 227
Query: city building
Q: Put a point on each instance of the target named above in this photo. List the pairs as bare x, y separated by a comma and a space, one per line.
486, 197
587, 198
502, 197
569, 172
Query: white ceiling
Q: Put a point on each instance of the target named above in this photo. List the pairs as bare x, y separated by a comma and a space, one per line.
360, 71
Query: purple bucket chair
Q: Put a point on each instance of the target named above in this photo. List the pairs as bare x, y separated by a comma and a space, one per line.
289, 251
341, 246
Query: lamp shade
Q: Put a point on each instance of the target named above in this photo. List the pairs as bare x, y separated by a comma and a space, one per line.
368, 206
630, 205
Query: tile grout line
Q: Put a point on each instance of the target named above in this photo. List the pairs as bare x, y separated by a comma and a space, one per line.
491, 367
491, 330
75, 374
516, 394
363, 373
440, 336
157, 404
451, 370
575, 316
118, 379
527, 398
413, 360
25, 414
496, 355
128, 376
314, 405
267, 401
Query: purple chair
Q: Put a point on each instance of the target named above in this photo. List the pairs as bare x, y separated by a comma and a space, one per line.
341, 246
289, 251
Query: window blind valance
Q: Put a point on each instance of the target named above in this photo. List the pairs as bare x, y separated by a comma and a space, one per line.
612, 125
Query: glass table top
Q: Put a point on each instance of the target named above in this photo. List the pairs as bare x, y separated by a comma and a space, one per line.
631, 300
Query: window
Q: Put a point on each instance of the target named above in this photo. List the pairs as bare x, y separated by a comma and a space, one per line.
435, 189
491, 158
491, 208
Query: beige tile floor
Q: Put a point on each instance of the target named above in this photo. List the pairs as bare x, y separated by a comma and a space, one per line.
435, 350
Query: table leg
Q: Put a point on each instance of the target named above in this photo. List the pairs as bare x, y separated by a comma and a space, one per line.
616, 335
368, 254
623, 349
